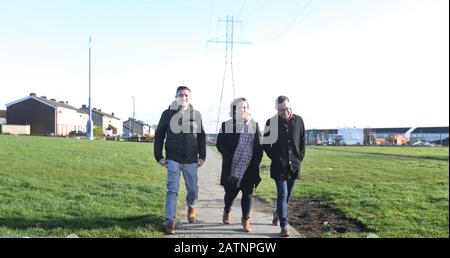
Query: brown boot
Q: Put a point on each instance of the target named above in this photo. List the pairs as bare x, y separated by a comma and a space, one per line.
246, 225
170, 228
191, 215
226, 217
284, 232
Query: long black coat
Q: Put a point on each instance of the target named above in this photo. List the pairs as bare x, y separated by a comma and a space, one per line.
279, 167
227, 143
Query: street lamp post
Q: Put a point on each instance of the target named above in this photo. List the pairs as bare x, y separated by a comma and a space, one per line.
90, 124
134, 115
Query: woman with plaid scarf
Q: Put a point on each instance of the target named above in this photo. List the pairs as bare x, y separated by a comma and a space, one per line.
239, 142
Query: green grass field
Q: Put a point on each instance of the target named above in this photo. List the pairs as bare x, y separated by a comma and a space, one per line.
393, 197
420, 152
57, 186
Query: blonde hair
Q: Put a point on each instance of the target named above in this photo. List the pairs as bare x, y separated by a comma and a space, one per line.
234, 103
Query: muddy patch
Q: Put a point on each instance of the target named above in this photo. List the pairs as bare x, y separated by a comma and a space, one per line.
313, 218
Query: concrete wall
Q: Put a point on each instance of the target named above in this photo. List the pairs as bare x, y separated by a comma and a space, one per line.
15, 129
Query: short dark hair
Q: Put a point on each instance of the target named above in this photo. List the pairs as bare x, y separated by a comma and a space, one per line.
180, 88
282, 99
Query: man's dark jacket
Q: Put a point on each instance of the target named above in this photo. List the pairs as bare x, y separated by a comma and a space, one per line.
186, 146
283, 166
227, 143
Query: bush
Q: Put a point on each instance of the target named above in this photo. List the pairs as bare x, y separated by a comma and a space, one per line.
98, 132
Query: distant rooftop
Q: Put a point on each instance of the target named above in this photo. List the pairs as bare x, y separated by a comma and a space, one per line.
85, 109
51, 102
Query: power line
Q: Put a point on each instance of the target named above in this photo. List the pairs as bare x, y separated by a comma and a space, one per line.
221, 98
210, 16
297, 16
249, 11
220, 11
242, 8
285, 18
303, 8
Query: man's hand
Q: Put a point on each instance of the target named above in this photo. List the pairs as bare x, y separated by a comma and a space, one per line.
200, 162
163, 162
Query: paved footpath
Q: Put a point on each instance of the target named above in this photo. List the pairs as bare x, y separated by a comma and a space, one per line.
208, 222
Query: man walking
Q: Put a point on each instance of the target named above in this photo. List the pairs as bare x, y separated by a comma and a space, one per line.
287, 153
185, 150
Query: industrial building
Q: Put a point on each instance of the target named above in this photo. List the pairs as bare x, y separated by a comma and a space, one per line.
379, 136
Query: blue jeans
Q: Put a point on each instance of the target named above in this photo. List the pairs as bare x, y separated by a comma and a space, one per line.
173, 186
284, 191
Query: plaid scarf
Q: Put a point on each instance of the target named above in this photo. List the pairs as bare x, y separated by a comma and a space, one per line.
242, 156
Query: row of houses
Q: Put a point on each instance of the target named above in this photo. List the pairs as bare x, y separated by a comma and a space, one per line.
137, 127
44, 116
379, 136
51, 117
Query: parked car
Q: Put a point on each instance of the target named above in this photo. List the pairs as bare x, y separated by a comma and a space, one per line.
77, 134
112, 137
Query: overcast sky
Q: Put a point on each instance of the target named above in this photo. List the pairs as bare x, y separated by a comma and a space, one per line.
366, 63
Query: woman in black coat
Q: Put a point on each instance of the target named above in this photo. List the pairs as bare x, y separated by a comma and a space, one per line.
239, 143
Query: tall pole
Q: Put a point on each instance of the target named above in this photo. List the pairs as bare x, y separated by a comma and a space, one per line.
231, 59
90, 124
134, 115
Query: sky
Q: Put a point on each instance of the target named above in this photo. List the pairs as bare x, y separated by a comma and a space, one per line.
343, 63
